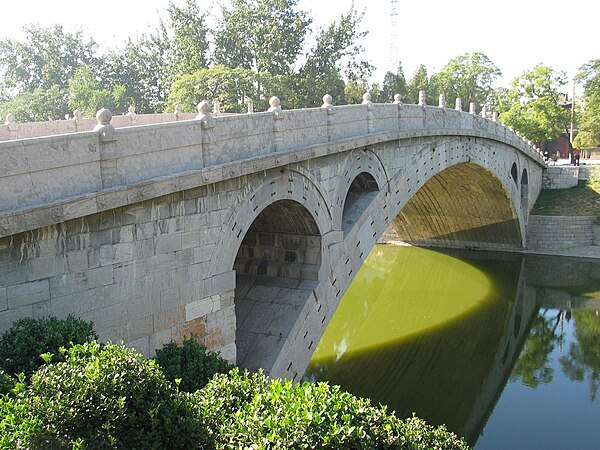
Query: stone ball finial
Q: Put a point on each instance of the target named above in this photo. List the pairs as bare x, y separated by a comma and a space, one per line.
77, 115
366, 98
104, 116
131, 110
442, 101
422, 98
10, 119
203, 107
484, 111
177, 109
397, 99
275, 104
327, 101
458, 104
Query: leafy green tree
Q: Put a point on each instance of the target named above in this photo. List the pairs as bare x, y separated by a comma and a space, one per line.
532, 107
38, 105
334, 55
47, 58
189, 43
419, 82
590, 119
262, 35
394, 83
354, 90
583, 358
229, 86
87, 95
469, 76
533, 365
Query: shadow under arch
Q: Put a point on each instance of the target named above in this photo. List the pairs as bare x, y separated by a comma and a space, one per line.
277, 268
464, 206
361, 192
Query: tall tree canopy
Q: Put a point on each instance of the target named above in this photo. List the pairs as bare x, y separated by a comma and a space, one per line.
46, 58
589, 122
394, 83
469, 76
532, 106
262, 35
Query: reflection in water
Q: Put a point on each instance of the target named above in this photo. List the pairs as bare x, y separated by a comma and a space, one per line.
424, 331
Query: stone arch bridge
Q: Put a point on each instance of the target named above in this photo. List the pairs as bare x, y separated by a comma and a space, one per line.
246, 230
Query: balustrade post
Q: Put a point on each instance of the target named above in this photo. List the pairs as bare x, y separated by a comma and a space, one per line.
13, 127
422, 98
472, 108
442, 101
328, 106
458, 104
207, 125
397, 99
370, 117
108, 158
277, 116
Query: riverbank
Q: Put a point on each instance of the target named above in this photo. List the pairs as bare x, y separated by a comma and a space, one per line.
561, 220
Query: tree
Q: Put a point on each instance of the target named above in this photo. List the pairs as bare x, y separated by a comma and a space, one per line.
531, 104
189, 44
229, 86
419, 82
334, 54
262, 35
86, 94
394, 83
470, 77
590, 119
47, 58
36, 106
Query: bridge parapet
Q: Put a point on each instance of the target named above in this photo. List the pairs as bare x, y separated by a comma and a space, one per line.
51, 179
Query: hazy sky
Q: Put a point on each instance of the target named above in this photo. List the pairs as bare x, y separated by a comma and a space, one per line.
515, 34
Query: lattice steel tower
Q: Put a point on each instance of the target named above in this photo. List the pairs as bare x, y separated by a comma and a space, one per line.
394, 36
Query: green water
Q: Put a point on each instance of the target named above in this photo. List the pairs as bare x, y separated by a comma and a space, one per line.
438, 334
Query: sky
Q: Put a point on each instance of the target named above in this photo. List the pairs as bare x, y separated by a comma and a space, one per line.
515, 34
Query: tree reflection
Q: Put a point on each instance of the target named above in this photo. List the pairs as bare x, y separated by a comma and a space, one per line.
533, 365
583, 359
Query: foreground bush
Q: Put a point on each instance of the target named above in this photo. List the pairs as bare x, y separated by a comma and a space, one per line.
28, 338
101, 397
191, 364
257, 412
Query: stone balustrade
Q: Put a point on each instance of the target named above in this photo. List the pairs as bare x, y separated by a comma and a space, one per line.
69, 175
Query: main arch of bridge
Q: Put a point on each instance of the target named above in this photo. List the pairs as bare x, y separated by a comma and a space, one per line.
297, 239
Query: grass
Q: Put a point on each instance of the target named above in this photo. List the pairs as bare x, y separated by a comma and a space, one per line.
581, 200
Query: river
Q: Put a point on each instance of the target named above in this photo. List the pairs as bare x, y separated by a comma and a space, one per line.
502, 348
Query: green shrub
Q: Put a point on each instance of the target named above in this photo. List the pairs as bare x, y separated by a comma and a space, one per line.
191, 364
7, 383
105, 397
28, 338
256, 412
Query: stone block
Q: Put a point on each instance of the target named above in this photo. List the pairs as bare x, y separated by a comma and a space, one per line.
28, 293
169, 318
3, 299
77, 260
203, 307
42, 309
9, 316
139, 327
203, 253
159, 339
170, 297
196, 327
168, 243
47, 267
142, 345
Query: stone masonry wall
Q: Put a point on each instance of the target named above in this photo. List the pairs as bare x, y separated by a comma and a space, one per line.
559, 232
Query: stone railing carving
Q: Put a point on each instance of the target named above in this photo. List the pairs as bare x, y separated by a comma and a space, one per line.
70, 175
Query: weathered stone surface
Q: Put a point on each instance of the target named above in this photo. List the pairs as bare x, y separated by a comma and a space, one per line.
145, 235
